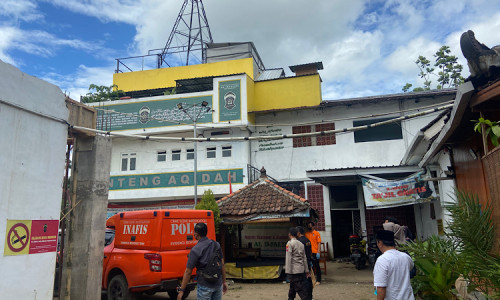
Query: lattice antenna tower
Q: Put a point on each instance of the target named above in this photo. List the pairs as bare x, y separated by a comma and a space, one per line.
189, 36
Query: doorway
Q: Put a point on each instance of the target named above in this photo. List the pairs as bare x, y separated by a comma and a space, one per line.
344, 224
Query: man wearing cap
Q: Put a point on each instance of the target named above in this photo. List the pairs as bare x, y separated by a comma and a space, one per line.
391, 274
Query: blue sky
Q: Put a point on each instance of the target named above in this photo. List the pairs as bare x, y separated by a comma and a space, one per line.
367, 47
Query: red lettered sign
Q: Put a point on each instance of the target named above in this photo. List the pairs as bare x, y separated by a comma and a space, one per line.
44, 235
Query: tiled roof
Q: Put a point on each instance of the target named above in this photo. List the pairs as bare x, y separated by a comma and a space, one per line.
261, 197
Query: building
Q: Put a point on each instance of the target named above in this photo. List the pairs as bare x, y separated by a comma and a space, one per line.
34, 117
233, 96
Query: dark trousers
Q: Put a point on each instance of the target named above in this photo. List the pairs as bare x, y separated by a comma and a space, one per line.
316, 268
300, 284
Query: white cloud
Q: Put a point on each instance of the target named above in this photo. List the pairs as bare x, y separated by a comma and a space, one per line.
125, 11
25, 10
77, 83
40, 43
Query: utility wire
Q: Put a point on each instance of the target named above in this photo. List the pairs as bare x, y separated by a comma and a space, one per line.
266, 137
202, 126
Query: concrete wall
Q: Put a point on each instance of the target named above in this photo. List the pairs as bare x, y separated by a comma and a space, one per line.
147, 163
289, 163
32, 158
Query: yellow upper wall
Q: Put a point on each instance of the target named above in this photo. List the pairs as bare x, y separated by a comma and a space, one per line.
290, 92
166, 77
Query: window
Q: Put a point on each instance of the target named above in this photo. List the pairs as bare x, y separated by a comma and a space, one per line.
128, 161
162, 156
319, 140
327, 139
304, 141
211, 152
190, 154
176, 155
226, 151
391, 131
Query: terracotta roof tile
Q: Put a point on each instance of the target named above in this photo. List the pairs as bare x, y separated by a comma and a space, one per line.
261, 196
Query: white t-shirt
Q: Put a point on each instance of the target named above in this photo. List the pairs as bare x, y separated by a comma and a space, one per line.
392, 270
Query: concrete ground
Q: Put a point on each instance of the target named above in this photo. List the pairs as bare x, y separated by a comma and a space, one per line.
342, 281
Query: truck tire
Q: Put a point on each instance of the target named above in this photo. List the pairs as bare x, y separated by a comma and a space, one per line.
118, 289
173, 294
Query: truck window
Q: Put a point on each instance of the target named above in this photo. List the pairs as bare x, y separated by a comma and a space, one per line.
109, 236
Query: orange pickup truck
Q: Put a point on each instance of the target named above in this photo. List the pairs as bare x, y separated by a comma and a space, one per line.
147, 251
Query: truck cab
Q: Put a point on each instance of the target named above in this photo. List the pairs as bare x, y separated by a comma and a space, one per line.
147, 251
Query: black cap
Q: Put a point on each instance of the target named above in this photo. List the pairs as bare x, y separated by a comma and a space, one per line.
385, 235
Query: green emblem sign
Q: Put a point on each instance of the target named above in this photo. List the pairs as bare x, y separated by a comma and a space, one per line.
230, 100
174, 179
150, 114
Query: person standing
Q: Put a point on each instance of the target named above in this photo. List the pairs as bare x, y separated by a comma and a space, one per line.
296, 267
307, 247
203, 254
391, 224
391, 274
315, 239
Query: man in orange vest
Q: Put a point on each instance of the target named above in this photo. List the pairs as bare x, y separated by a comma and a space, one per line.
315, 239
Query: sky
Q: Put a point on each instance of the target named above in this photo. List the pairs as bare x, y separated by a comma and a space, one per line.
367, 47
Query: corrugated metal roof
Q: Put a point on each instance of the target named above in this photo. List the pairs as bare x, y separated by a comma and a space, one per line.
380, 98
271, 74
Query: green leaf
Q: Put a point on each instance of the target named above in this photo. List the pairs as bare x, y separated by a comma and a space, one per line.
496, 130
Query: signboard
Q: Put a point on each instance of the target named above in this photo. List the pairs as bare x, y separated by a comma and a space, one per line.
386, 193
149, 114
174, 179
31, 236
230, 100
271, 238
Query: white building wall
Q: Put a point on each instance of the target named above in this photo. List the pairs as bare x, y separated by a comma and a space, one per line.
32, 158
147, 163
290, 163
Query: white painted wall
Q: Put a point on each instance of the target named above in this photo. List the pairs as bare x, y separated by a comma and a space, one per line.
326, 236
446, 187
292, 163
32, 158
147, 163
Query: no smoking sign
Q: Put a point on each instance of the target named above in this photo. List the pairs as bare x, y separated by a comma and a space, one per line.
31, 236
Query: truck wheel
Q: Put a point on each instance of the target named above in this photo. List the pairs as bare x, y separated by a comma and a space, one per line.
118, 289
173, 294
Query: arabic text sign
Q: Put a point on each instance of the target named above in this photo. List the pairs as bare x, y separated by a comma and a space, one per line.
150, 114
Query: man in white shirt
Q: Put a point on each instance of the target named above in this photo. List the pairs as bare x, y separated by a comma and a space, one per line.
391, 275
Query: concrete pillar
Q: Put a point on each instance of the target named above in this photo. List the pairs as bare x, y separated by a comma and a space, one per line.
84, 242
326, 236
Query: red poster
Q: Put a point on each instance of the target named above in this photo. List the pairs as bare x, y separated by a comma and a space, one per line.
44, 235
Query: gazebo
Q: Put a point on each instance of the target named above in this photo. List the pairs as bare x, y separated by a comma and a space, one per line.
254, 227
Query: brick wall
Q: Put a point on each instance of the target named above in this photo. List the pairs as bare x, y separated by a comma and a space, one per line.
404, 214
315, 195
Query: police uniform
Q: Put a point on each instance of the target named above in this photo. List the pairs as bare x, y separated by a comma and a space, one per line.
296, 269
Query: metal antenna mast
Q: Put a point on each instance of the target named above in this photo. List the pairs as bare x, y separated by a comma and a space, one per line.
191, 34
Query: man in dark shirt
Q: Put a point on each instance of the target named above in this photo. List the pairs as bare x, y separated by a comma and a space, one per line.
307, 246
199, 257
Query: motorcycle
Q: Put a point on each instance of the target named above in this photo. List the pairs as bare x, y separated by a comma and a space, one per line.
358, 251
373, 251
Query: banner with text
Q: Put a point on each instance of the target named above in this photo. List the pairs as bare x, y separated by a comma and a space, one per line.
150, 114
271, 238
174, 179
229, 100
388, 193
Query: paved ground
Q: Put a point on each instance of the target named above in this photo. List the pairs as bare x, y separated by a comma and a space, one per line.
342, 281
